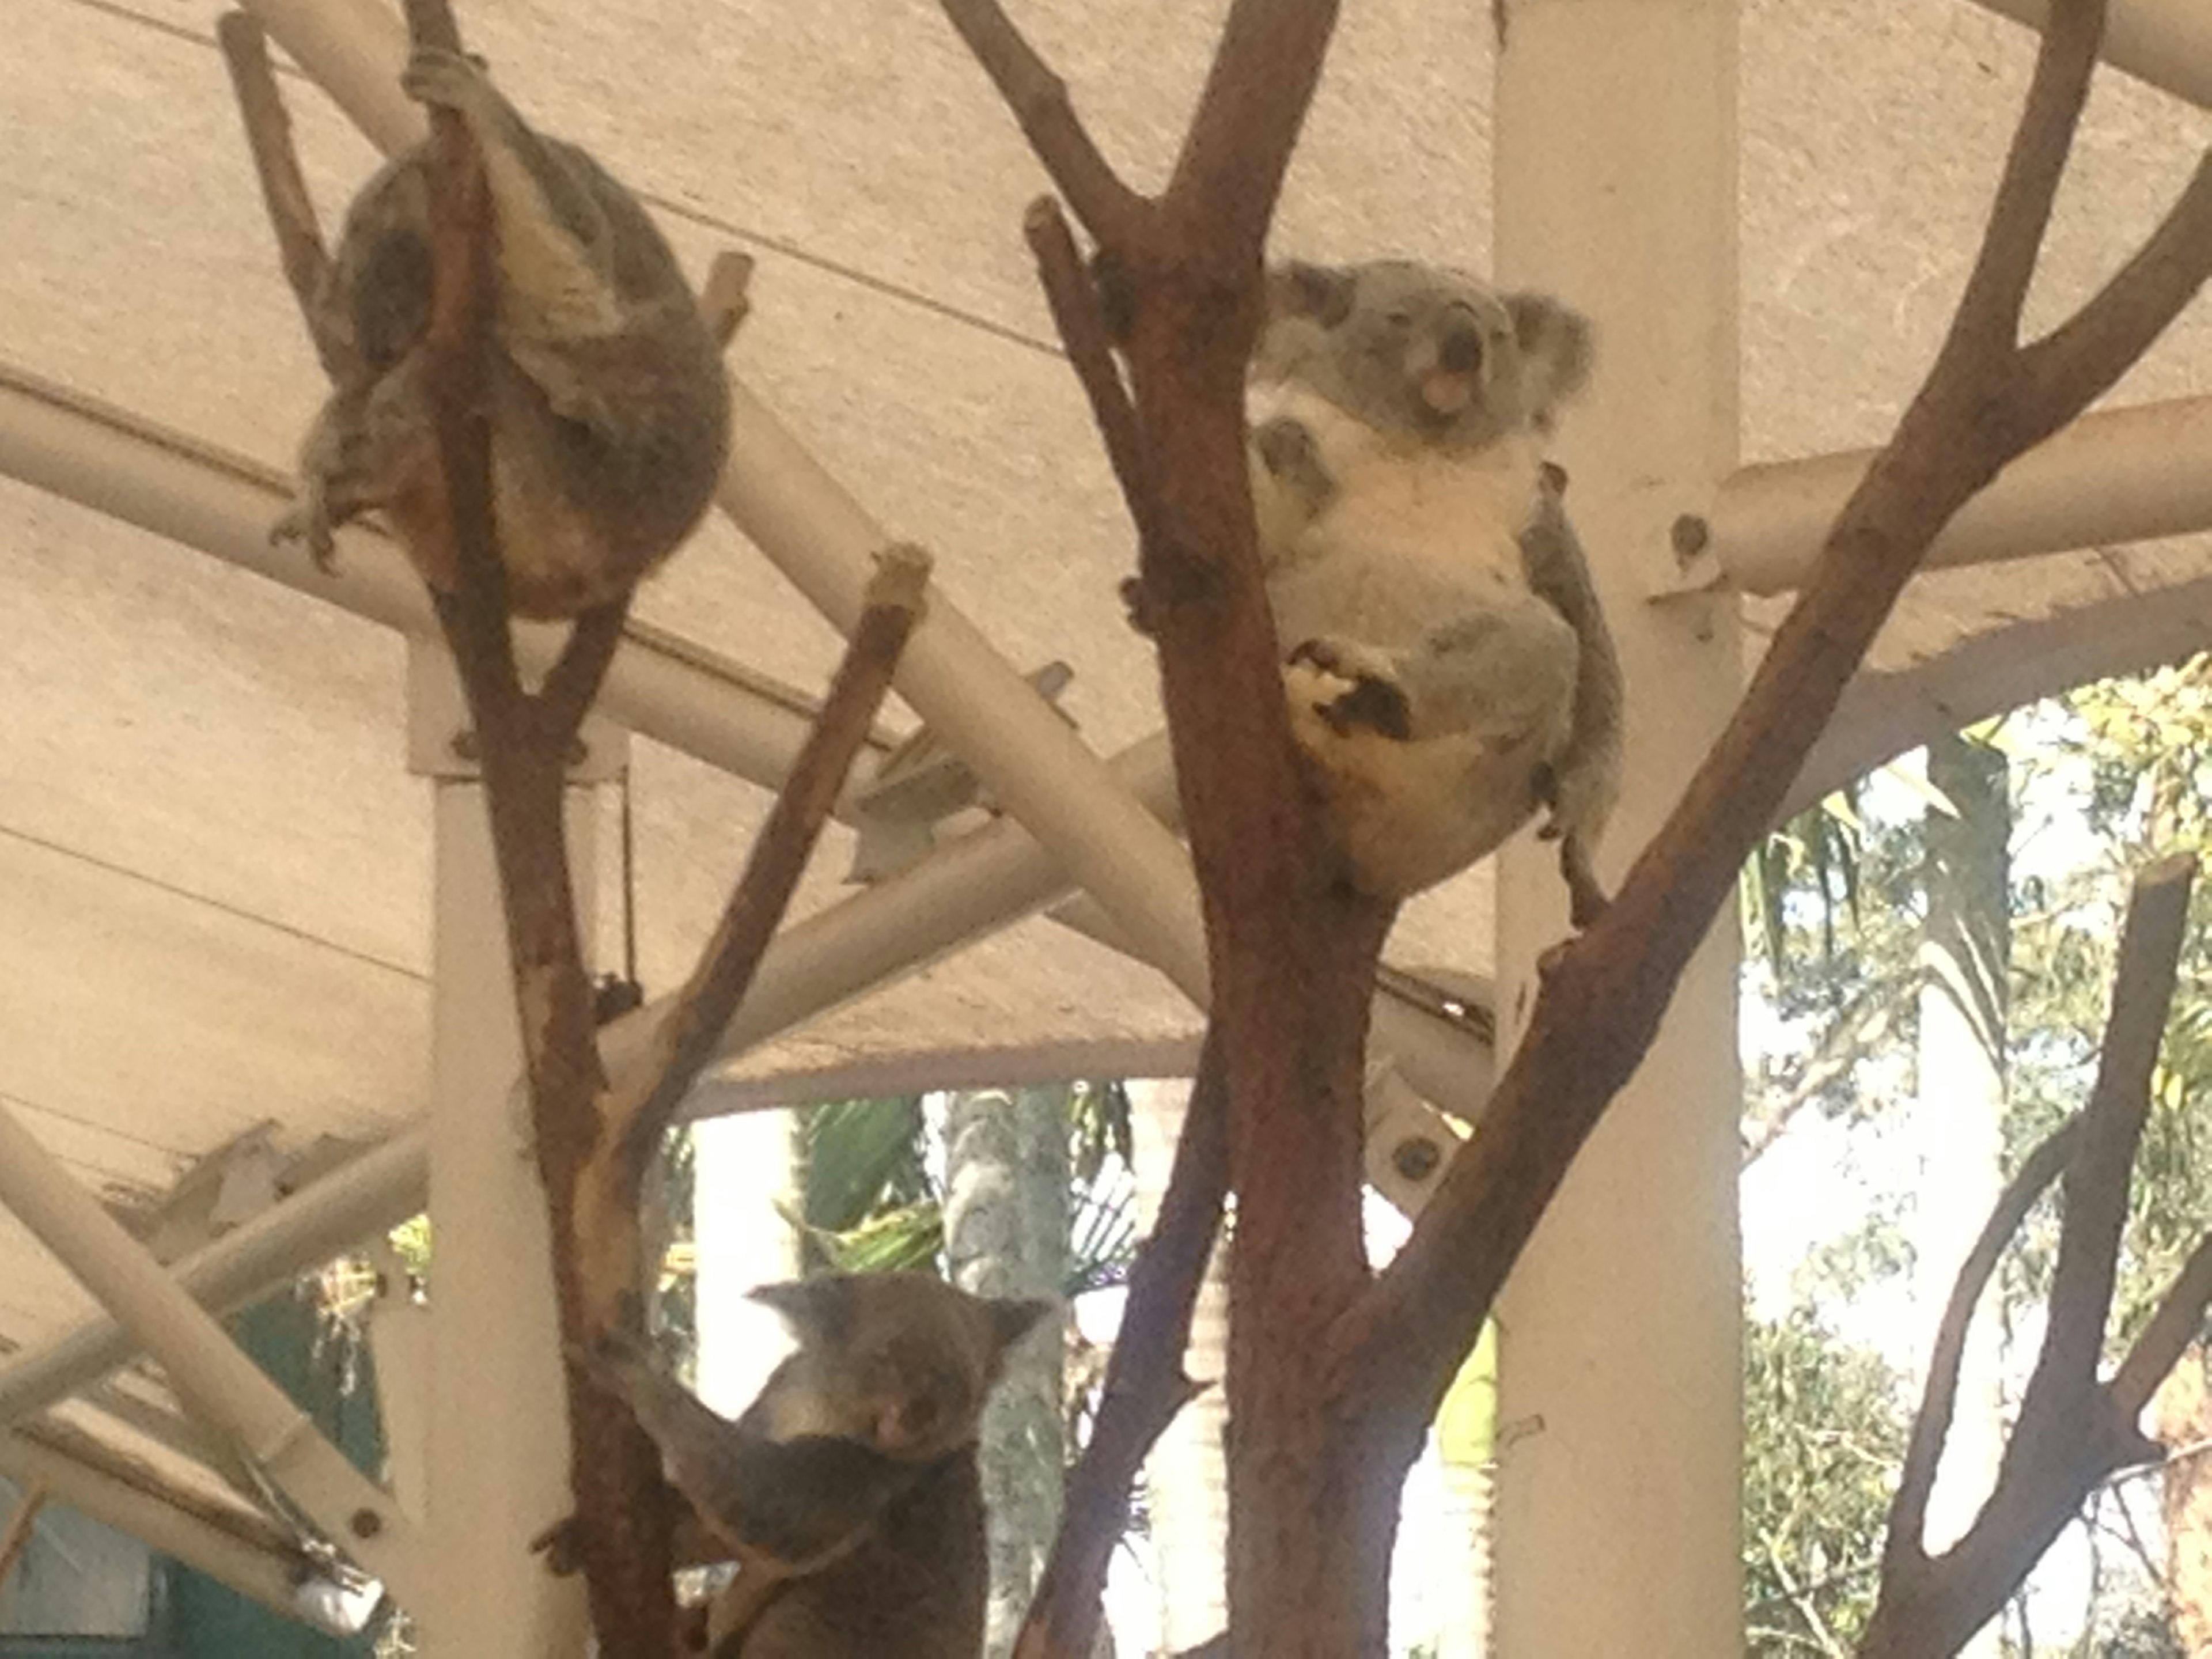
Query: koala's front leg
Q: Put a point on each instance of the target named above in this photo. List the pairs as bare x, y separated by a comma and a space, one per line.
335, 484
557, 287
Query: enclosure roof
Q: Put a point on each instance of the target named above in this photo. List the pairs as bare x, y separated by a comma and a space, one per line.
215, 866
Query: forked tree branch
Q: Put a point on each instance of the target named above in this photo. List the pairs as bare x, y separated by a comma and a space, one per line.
1601, 1001
2071, 1432
1146, 1383
1908, 1511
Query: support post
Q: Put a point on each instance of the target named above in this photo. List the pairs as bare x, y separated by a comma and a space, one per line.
498, 1467
1620, 1416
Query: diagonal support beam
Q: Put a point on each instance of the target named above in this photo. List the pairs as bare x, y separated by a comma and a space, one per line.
217, 1382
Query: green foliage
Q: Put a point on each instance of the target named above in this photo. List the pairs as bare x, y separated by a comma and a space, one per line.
1824, 1430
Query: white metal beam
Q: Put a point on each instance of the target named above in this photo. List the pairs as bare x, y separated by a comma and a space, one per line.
2165, 43
217, 1382
254, 1573
2126, 475
378, 1189
1884, 714
1618, 1509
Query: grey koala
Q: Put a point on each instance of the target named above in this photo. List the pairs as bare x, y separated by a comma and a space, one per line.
1448, 668
848, 1489
610, 415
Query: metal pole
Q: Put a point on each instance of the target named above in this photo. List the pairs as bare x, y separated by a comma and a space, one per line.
497, 1463
253, 1573
2127, 475
217, 1384
1616, 148
380, 1189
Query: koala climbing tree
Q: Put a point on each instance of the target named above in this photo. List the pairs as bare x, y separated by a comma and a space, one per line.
1334, 1373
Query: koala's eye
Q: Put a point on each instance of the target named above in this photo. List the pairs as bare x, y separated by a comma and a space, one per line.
1399, 320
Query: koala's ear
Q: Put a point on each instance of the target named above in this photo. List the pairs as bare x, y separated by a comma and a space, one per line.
1011, 1320
817, 1309
1556, 349
1320, 292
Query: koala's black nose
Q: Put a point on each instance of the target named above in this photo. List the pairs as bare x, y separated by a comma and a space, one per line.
1459, 351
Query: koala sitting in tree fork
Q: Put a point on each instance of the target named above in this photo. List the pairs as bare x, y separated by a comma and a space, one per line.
1448, 670
610, 415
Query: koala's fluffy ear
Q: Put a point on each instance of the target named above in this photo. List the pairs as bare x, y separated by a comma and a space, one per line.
1011, 1320
1555, 352
817, 1309
1320, 292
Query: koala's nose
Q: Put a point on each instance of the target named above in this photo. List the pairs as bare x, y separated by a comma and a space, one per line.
1459, 351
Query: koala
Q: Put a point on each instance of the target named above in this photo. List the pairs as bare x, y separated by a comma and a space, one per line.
1448, 670
848, 1489
610, 415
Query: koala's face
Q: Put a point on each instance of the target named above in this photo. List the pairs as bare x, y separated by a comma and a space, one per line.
902, 1362
1421, 350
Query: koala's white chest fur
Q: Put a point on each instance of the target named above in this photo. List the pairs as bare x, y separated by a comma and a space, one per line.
1408, 573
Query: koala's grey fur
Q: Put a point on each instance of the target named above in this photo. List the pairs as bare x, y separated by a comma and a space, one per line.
609, 413
1448, 668
848, 1489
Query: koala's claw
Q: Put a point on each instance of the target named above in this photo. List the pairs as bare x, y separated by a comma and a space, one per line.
1374, 703
307, 522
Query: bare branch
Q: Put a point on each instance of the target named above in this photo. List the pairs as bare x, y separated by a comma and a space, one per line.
23, 1525
726, 299
1146, 1386
1230, 171
1038, 97
572, 684
1987, 323
1073, 301
283, 189
1908, 1511
2081, 359
779, 857
2097, 1181
2178, 1321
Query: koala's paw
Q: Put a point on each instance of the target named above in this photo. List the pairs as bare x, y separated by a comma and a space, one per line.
308, 520
1287, 449
444, 80
1354, 691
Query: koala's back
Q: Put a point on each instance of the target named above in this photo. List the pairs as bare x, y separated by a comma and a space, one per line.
914, 1589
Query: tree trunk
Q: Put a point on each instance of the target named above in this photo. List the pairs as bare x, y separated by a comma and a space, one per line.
1007, 1234
2184, 1420
1965, 956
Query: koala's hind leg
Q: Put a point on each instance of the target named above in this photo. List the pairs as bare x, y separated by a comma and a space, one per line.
556, 286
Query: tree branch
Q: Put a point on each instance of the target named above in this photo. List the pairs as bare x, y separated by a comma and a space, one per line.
1600, 1003
2177, 1322
572, 684
1039, 100
686, 1039
283, 188
1908, 1511
1145, 1384
2070, 1434
2097, 1180
1073, 302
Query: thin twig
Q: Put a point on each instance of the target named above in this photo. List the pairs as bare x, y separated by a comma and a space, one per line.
2178, 1321
283, 188
572, 684
1908, 1512
1145, 1385
2097, 1180
1073, 301
726, 299
779, 858
22, 1526
1109, 208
